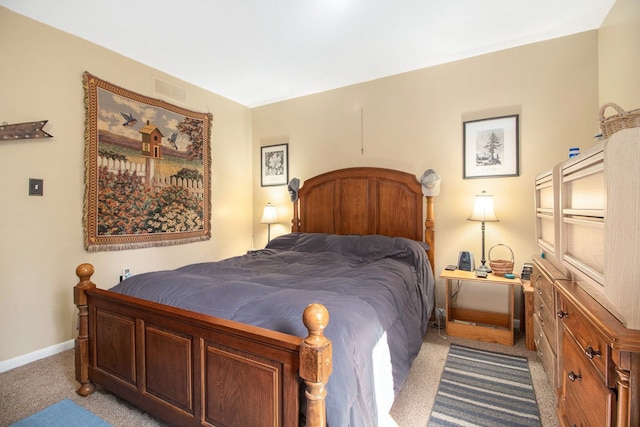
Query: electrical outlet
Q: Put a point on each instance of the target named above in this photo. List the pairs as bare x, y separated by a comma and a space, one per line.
126, 273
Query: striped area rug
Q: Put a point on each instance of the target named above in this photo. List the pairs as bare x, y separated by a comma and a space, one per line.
481, 388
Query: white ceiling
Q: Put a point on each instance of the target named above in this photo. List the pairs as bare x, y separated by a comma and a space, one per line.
257, 52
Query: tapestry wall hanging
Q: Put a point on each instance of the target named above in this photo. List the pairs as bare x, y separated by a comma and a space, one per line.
147, 170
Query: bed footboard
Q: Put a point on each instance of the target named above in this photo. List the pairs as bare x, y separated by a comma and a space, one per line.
191, 369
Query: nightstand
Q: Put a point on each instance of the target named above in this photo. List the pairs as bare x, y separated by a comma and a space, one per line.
479, 325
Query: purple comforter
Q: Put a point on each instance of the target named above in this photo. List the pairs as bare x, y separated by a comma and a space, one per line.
373, 286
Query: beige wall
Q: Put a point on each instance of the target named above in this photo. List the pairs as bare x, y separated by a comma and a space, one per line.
413, 122
41, 237
619, 58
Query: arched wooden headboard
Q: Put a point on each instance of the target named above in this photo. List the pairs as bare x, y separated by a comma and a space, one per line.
366, 200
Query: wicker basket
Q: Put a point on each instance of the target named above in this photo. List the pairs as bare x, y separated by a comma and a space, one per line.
622, 120
500, 266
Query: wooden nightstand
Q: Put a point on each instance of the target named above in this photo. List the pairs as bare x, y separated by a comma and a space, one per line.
479, 325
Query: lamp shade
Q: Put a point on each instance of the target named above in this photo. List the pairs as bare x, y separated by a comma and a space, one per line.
483, 209
269, 215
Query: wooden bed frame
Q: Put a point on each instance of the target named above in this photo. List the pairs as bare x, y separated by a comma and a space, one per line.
191, 369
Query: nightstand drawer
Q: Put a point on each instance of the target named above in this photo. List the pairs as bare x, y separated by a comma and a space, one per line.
588, 401
594, 348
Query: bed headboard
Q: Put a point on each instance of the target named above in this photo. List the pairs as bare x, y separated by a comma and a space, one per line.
366, 200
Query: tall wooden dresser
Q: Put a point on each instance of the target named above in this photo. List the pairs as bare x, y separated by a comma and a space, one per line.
588, 228
545, 324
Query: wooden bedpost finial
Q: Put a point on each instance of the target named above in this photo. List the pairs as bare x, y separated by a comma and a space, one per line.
84, 273
316, 363
316, 319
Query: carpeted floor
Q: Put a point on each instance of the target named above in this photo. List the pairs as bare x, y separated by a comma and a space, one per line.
31, 388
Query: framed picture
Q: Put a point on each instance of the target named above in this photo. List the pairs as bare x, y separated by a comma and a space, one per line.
274, 164
491, 147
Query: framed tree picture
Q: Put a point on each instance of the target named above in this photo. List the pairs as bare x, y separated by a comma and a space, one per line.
490, 147
274, 165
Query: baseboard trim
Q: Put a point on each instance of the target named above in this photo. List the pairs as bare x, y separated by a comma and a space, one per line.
36, 355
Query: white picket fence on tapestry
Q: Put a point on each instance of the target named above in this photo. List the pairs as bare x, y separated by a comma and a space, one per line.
194, 186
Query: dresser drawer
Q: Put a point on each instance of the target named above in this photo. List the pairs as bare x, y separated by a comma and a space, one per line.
588, 401
594, 348
546, 316
543, 287
546, 353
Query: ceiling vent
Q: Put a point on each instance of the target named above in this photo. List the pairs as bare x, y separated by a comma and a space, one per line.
166, 89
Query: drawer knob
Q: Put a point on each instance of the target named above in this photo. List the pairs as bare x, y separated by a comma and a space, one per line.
538, 284
562, 314
590, 352
573, 376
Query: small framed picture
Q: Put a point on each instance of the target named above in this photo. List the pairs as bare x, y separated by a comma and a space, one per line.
274, 165
491, 147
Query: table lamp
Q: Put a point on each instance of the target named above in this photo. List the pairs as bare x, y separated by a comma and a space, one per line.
269, 217
483, 211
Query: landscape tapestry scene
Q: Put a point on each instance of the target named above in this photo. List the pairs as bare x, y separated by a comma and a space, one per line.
147, 170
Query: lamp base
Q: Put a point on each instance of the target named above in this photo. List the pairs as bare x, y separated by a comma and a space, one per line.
484, 268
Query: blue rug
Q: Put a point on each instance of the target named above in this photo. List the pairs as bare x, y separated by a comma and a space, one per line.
481, 388
64, 413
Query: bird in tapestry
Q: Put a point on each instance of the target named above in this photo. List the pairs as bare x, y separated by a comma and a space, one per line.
130, 120
172, 139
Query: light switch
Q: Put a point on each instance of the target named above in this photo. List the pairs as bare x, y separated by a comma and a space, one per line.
36, 187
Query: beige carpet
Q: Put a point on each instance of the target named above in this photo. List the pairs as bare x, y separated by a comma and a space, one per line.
30, 388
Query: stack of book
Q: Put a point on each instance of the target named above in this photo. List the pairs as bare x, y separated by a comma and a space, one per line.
527, 269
